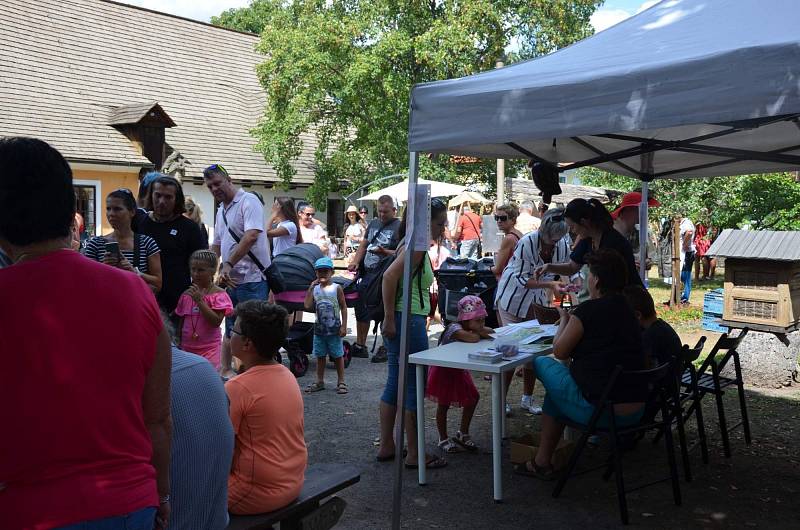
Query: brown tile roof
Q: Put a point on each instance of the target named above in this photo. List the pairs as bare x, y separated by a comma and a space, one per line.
65, 65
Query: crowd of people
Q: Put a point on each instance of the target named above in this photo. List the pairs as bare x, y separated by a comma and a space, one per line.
155, 425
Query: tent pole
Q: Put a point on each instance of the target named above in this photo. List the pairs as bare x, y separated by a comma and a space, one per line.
413, 173
643, 232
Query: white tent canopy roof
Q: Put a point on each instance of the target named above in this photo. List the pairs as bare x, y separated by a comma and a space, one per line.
686, 80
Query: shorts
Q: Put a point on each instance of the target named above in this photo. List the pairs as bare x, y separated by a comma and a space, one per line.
565, 400
328, 346
362, 315
242, 293
417, 341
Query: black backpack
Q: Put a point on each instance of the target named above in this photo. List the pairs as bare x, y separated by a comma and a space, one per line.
370, 290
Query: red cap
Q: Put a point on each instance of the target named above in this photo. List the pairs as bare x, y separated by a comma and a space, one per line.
633, 198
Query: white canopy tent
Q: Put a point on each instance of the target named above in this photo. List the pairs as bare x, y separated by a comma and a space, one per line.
687, 88
399, 191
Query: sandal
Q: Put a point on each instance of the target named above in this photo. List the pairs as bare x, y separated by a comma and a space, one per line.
531, 469
465, 441
433, 462
315, 387
341, 388
448, 445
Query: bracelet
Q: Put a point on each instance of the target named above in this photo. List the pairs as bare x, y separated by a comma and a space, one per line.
228, 263
164, 499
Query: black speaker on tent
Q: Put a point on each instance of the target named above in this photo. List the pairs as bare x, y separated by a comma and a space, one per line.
545, 177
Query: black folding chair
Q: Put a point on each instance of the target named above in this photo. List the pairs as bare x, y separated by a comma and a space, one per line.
692, 393
709, 381
664, 391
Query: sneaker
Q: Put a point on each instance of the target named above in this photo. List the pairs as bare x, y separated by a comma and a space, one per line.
527, 404
508, 410
380, 356
359, 351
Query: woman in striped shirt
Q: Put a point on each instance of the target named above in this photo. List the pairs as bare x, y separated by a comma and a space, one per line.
138, 253
518, 290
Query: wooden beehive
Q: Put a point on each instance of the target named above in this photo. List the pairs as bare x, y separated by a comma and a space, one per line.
759, 291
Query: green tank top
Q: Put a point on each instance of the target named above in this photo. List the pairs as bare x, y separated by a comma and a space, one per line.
421, 281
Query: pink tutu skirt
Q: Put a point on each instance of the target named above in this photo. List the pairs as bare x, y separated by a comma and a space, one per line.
452, 387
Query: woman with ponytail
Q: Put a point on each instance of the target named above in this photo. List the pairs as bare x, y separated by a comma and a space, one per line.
593, 225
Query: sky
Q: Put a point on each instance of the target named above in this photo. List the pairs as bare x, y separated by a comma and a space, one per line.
611, 12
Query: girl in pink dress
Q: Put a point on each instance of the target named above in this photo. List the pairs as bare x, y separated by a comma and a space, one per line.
453, 386
203, 307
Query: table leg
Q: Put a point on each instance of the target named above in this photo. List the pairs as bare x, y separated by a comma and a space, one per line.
503, 401
498, 414
421, 423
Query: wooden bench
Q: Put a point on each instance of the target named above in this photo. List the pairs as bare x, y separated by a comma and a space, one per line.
321, 481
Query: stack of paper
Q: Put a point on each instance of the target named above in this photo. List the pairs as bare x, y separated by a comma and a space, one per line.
486, 356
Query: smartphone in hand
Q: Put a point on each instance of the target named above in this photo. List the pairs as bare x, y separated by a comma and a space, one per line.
112, 249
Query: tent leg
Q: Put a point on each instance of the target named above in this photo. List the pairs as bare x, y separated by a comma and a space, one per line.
413, 173
643, 215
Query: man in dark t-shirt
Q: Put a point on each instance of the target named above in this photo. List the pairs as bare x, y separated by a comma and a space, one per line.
177, 237
660, 342
380, 242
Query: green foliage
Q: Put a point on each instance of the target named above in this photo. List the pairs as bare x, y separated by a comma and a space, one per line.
764, 202
343, 69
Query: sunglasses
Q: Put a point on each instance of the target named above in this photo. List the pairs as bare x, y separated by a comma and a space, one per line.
216, 167
308, 214
555, 219
501, 218
363, 211
126, 191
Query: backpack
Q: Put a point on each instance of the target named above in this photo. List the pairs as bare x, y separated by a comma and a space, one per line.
370, 287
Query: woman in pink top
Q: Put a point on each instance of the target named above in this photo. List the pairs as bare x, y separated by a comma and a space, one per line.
202, 307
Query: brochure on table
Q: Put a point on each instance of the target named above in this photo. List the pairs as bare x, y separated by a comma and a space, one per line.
525, 333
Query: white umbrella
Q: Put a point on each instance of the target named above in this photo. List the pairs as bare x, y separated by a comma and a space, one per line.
399, 191
467, 196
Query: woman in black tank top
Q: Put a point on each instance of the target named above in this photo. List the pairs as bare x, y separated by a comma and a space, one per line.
506, 218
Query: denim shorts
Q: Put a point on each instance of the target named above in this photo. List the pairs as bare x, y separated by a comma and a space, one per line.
143, 519
330, 345
242, 293
565, 400
417, 341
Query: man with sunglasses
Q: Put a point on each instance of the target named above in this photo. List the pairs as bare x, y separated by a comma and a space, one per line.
379, 242
240, 241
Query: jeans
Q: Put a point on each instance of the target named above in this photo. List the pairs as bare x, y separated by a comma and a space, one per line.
686, 275
469, 248
143, 519
242, 293
565, 399
417, 341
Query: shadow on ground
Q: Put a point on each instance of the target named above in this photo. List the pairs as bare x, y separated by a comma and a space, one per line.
757, 488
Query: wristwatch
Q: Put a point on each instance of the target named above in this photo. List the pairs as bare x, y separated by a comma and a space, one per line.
163, 499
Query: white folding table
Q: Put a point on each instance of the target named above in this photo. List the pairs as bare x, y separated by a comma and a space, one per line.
456, 355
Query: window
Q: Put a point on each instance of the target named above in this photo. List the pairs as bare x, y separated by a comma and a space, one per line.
86, 195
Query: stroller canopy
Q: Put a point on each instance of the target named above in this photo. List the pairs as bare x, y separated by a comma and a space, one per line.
296, 265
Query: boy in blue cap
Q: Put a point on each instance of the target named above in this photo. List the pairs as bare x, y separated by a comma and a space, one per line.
326, 299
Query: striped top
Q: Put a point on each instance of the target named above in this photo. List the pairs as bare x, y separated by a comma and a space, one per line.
202, 445
96, 249
512, 295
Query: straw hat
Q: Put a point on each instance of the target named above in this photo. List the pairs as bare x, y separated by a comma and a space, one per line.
351, 208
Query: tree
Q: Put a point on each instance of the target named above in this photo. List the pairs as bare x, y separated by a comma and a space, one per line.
768, 201
343, 69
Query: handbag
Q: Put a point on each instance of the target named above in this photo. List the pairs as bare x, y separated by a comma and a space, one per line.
272, 274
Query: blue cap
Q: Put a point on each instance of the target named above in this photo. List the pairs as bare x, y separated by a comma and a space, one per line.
323, 263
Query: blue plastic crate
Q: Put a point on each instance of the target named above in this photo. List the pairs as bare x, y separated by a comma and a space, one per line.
714, 301
712, 323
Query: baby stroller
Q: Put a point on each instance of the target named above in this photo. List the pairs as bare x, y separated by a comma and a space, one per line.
458, 277
296, 265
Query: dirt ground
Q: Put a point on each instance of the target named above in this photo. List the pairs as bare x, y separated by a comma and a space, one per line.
758, 487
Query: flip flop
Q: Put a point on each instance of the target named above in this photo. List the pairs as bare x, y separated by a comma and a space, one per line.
433, 462
389, 458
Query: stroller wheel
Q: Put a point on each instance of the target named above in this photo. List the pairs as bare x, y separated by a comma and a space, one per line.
298, 361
